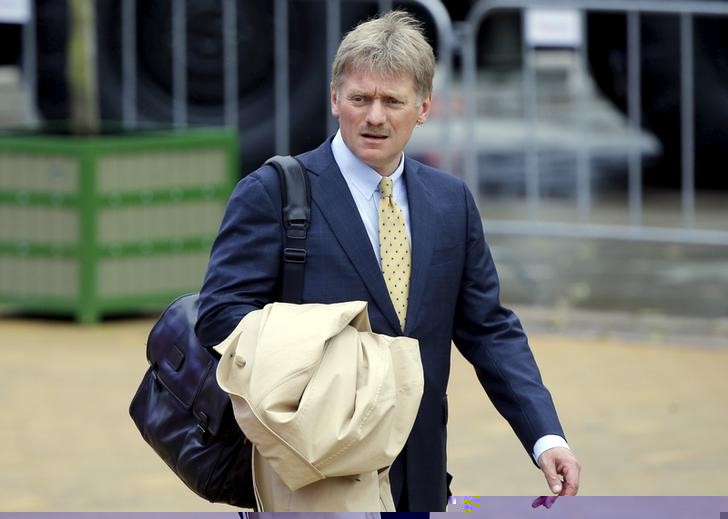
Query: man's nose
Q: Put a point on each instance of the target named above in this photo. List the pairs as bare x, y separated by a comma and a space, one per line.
375, 114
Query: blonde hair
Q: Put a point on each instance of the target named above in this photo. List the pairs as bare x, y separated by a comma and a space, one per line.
390, 45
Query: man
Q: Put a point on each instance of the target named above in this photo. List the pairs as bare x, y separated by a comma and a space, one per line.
402, 236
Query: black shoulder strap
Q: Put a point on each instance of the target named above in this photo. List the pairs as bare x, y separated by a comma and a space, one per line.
296, 203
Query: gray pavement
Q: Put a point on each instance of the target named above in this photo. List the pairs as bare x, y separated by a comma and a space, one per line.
658, 281
645, 416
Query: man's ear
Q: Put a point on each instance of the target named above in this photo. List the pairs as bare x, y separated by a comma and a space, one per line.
334, 101
425, 108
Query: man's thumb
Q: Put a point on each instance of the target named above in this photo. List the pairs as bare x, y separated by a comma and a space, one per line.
553, 481
555, 486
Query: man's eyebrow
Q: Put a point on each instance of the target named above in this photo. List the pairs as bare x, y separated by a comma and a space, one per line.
382, 95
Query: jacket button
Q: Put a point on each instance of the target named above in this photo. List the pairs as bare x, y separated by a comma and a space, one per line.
239, 361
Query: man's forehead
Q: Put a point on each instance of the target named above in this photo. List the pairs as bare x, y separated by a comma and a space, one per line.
371, 80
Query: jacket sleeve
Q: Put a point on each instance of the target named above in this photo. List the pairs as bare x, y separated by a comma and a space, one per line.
492, 339
243, 271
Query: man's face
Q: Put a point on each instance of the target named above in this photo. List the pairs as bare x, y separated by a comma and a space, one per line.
377, 115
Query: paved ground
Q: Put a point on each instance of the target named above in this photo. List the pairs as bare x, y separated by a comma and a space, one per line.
646, 418
642, 278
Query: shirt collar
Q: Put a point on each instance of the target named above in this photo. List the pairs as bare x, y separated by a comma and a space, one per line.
356, 172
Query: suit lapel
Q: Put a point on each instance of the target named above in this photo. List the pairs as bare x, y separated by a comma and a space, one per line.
331, 195
422, 223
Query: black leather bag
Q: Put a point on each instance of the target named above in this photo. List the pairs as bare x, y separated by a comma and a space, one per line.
179, 409
185, 417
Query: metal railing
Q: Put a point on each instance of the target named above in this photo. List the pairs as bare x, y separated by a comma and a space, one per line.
230, 59
451, 42
634, 229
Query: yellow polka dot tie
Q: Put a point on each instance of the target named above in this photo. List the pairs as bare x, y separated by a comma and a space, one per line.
394, 249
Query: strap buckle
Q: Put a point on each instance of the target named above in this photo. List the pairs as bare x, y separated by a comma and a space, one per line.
291, 255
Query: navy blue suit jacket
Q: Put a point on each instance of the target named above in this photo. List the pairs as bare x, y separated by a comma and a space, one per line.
454, 296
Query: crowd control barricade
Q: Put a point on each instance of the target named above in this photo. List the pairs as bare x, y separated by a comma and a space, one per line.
676, 219
531, 176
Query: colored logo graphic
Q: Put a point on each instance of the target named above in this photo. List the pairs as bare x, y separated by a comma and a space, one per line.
463, 503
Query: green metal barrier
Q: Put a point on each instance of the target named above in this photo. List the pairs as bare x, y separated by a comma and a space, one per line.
107, 224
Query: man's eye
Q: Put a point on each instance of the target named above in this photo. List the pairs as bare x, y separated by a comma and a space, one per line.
393, 101
358, 99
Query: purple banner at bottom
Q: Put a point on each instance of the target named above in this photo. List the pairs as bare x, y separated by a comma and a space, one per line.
486, 507
592, 507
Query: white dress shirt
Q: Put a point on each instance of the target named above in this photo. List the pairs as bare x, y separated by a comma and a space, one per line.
363, 182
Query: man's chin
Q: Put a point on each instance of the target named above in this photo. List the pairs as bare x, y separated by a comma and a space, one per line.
373, 160
373, 144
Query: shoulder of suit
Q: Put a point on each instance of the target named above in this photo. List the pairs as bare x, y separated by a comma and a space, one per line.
265, 175
317, 159
264, 178
435, 177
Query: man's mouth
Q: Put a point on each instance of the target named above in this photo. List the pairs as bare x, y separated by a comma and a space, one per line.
377, 136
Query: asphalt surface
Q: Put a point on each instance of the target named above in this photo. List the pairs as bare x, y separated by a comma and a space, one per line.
646, 417
644, 279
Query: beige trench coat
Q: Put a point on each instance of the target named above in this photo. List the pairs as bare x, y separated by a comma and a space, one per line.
327, 403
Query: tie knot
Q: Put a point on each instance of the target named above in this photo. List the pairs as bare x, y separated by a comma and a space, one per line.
385, 187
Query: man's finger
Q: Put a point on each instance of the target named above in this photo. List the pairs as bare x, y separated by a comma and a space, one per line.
561, 470
554, 483
571, 480
552, 479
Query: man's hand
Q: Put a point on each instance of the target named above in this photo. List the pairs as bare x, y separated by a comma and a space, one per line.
561, 469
